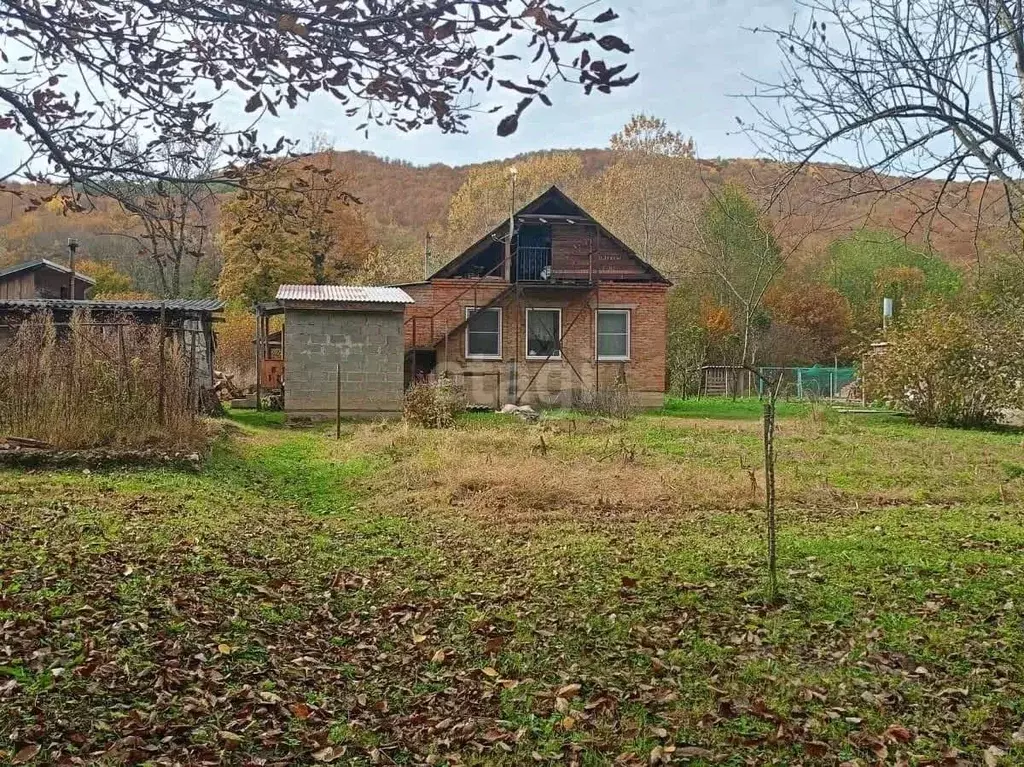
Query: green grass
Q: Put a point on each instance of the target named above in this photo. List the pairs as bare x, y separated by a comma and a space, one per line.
742, 408
403, 593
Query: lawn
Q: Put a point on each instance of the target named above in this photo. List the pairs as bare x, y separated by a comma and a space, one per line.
574, 591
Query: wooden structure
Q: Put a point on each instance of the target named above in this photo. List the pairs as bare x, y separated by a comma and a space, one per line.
550, 301
189, 321
42, 279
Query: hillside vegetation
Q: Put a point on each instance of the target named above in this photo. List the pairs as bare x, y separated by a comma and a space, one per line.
772, 264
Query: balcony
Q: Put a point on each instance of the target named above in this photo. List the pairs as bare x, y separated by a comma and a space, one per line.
531, 263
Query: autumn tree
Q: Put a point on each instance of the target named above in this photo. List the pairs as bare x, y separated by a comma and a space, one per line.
109, 281
296, 223
815, 317
867, 266
641, 196
155, 71
484, 199
738, 255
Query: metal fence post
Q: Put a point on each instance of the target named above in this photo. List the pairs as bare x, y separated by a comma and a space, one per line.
337, 414
163, 362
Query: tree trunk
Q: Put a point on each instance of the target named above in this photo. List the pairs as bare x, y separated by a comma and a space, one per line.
319, 275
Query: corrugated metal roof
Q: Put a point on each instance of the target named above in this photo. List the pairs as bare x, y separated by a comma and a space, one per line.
361, 294
171, 304
28, 266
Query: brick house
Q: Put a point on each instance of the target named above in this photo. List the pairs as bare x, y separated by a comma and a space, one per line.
542, 309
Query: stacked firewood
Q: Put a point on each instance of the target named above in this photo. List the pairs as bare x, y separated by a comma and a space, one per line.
224, 385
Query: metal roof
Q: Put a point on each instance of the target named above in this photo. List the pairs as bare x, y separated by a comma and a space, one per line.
28, 266
361, 294
146, 305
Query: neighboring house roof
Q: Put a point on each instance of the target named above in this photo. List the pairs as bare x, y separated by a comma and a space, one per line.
133, 307
43, 263
362, 294
569, 212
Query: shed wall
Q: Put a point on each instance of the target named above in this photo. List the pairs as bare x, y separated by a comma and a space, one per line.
367, 344
22, 285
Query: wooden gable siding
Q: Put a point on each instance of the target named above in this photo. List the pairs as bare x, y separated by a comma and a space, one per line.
570, 255
21, 285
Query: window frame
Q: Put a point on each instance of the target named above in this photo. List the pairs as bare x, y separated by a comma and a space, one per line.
557, 354
468, 313
597, 335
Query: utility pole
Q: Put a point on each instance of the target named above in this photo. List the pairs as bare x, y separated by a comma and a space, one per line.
426, 256
72, 247
513, 173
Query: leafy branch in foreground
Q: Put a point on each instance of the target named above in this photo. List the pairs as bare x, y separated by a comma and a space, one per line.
81, 79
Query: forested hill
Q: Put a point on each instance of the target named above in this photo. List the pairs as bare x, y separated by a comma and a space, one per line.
402, 202
417, 198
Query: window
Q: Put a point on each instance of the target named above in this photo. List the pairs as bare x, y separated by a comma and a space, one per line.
613, 334
483, 333
543, 331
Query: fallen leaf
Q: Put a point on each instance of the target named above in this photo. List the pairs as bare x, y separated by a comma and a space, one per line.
327, 754
816, 749
26, 754
992, 756
419, 638
300, 710
438, 657
897, 733
694, 752
569, 691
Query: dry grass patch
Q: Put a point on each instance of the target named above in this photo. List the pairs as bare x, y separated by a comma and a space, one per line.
597, 472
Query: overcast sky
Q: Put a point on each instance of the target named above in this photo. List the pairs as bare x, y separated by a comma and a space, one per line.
692, 56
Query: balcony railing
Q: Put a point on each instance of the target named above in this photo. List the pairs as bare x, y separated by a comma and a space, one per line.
531, 263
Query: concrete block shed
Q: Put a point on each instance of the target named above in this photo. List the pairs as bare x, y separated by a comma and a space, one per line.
357, 327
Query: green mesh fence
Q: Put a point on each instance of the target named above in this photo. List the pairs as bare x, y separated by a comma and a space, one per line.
811, 383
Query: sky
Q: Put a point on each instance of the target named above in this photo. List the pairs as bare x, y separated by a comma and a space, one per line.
693, 57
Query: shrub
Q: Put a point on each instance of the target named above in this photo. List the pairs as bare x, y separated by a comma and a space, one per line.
88, 384
614, 401
434, 404
951, 366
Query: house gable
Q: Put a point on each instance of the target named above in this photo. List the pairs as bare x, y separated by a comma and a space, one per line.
579, 247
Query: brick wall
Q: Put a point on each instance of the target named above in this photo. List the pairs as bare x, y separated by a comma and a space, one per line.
367, 344
551, 382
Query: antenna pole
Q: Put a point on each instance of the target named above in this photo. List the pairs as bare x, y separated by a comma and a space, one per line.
72, 247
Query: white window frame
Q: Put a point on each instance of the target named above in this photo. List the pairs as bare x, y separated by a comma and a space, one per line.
557, 355
470, 310
629, 335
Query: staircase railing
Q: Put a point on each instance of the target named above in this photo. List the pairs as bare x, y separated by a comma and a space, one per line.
434, 338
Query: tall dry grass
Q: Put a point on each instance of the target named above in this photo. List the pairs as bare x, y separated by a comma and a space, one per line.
88, 384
